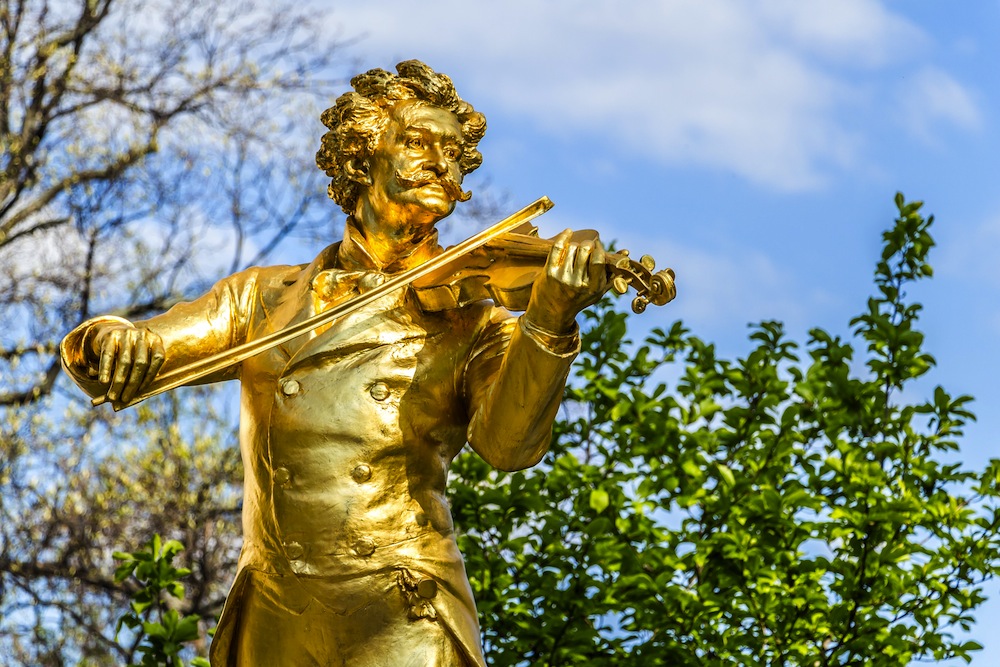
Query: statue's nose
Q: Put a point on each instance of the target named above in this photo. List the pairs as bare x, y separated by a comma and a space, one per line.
435, 161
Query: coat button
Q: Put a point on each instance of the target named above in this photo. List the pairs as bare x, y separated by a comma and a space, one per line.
364, 546
290, 387
294, 550
379, 391
427, 588
361, 473
281, 476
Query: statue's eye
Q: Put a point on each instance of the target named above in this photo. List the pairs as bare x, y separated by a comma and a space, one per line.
452, 152
414, 142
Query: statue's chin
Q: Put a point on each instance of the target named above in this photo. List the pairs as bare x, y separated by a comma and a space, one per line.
433, 199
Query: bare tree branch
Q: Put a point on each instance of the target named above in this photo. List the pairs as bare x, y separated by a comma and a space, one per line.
146, 148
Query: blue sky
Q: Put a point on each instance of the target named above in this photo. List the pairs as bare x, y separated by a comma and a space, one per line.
754, 146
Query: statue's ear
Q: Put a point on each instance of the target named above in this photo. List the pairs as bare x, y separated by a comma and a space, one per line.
357, 170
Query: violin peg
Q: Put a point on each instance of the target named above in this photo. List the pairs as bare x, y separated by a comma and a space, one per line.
639, 304
647, 262
619, 284
623, 251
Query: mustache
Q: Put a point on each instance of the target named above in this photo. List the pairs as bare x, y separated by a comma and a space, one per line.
422, 178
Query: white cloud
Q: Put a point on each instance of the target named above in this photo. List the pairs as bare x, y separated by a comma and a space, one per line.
931, 96
857, 32
754, 88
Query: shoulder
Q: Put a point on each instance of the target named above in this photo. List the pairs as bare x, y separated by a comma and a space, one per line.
244, 285
281, 276
271, 277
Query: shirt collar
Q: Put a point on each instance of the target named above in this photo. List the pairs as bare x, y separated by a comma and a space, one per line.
355, 254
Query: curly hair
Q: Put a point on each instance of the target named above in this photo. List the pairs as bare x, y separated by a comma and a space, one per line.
358, 118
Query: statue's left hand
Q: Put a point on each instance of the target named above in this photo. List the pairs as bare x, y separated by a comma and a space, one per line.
575, 277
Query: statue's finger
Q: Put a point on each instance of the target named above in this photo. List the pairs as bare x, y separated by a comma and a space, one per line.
581, 263
123, 365
567, 273
157, 355
557, 253
598, 270
140, 365
109, 352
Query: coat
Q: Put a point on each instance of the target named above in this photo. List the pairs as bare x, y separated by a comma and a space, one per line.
347, 433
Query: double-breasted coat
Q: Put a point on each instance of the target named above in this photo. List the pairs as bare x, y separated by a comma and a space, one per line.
347, 433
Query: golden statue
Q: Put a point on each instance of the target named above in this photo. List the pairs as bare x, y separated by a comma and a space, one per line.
359, 389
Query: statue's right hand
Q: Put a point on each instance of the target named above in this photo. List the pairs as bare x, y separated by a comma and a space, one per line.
129, 359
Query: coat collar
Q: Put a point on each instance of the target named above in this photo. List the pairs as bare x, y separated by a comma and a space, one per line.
299, 301
355, 252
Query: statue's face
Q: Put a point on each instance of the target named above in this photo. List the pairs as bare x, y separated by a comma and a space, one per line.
421, 145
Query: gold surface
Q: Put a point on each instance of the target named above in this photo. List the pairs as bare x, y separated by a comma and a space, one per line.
324, 284
347, 430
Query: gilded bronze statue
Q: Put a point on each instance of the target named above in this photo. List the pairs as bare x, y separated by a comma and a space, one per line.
349, 423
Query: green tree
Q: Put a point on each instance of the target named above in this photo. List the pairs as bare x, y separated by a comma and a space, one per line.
776, 509
161, 630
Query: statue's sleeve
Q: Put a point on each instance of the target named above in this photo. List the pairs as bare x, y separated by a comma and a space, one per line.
191, 330
514, 381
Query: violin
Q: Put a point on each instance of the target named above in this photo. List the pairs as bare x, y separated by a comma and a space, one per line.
505, 268
499, 263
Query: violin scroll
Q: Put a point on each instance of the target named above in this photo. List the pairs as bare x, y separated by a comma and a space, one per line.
656, 288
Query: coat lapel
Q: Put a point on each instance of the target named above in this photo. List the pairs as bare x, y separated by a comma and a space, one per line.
381, 322
295, 301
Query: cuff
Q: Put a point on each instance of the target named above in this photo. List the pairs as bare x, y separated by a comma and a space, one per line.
561, 345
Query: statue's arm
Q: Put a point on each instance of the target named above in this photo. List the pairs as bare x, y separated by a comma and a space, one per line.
517, 371
110, 356
514, 382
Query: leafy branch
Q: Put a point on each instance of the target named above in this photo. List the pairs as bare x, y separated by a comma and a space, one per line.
163, 631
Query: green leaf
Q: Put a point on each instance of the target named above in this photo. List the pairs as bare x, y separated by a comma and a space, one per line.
726, 474
599, 500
